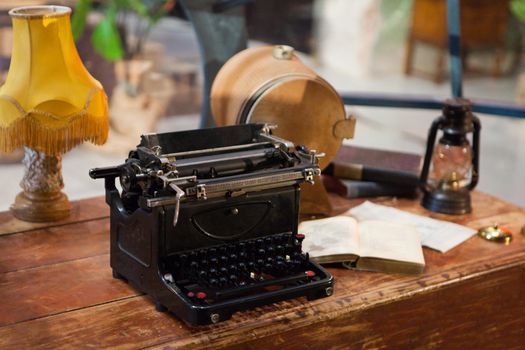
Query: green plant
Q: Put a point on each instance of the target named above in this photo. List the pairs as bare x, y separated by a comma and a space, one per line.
518, 9
109, 37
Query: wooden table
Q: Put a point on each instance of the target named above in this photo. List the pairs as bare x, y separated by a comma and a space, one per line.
56, 291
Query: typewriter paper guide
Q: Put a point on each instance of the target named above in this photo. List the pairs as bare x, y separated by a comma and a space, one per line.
374, 245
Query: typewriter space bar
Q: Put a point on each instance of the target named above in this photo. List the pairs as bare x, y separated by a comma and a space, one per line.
231, 292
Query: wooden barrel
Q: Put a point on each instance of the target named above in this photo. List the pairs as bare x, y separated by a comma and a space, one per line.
271, 84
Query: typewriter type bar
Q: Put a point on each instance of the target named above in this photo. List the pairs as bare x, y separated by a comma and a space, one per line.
206, 221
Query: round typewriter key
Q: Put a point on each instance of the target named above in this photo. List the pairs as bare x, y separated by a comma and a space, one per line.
190, 294
299, 236
310, 273
201, 295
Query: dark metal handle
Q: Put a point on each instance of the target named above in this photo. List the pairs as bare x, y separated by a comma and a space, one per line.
475, 150
436, 124
100, 173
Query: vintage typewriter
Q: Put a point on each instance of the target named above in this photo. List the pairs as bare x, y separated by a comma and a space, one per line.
206, 221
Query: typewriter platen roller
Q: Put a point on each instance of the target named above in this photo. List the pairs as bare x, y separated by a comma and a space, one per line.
206, 221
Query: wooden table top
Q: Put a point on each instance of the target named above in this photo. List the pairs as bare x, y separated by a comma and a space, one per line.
57, 291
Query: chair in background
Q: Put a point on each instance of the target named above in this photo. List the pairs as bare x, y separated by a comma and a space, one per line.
483, 25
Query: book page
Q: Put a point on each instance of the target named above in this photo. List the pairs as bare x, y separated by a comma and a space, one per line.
331, 236
390, 241
436, 234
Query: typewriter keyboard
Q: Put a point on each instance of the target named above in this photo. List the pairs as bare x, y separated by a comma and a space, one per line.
242, 268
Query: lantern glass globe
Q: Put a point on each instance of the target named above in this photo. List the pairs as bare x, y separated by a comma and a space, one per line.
452, 166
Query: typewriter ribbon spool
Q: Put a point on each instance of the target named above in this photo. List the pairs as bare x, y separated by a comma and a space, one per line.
271, 84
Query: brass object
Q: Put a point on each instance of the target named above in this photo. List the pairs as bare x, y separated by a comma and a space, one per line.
496, 233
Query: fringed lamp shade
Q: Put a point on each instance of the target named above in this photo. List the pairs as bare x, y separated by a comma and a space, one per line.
49, 101
48, 104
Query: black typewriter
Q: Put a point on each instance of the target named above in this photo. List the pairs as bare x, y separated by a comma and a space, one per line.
206, 221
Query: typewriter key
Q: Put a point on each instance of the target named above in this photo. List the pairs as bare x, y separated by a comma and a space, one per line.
310, 273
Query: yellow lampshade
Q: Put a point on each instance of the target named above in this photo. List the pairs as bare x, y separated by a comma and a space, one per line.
49, 101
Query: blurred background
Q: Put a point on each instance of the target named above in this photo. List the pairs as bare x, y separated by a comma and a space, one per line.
152, 73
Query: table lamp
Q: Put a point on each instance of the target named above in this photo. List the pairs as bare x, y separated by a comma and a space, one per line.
48, 104
454, 173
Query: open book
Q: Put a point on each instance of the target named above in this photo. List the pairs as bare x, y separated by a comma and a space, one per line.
368, 245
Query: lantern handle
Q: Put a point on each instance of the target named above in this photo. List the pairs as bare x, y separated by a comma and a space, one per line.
431, 140
475, 157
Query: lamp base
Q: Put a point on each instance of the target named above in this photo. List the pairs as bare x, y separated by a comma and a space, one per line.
41, 207
447, 202
41, 199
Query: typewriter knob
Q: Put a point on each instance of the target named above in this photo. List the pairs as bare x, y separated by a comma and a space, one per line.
128, 179
214, 282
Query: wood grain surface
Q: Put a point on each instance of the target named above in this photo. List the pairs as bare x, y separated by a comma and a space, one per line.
85, 210
56, 291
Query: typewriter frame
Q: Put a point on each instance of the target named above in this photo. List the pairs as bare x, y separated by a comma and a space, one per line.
139, 250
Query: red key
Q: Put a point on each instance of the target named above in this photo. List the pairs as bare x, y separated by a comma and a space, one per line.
309, 273
190, 294
201, 295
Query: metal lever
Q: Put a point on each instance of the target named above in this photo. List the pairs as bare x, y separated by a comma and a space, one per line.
178, 195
